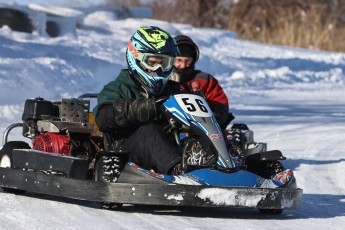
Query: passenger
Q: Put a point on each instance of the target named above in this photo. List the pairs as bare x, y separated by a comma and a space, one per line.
185, 72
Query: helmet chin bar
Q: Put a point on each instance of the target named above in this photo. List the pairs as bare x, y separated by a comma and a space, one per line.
159, 84
156, 89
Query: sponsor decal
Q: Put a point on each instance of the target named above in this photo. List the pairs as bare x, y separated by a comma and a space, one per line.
154, 174
133, 50
229, 137
149, 172
284, 176
216, 136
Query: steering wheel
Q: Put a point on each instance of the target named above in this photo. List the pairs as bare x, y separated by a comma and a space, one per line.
162, 99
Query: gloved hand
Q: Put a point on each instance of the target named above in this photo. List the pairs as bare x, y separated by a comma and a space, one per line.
143, 110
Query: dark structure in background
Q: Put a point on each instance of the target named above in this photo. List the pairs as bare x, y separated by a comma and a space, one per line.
59, 20
16, 20
20, 21
52, 29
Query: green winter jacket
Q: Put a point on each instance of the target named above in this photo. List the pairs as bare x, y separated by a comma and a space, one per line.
122, 87
116, 121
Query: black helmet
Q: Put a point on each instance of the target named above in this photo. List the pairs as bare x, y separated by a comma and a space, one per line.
151, 41
187, 47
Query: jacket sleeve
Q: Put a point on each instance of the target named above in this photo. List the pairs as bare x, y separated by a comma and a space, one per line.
111, 112
105, 118
214, 93
120, 110
115, 116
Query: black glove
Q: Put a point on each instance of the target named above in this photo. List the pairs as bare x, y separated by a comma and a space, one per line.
143, 110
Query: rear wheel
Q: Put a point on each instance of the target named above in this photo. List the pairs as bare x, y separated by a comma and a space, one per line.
6, 159
268, 170
265, 169
107, 169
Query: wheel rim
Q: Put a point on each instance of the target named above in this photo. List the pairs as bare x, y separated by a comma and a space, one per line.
5, 162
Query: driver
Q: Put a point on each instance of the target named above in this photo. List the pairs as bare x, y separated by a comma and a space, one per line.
126, 106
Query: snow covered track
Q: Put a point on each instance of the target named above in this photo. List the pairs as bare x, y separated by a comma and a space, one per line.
293, 99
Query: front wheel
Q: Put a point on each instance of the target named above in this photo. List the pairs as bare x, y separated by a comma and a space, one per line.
107, 169
6, 160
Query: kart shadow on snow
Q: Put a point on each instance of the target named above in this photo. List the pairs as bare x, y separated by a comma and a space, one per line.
293, 113
327, 206
295, 163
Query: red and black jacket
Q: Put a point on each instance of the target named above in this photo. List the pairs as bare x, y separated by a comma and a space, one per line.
213, 93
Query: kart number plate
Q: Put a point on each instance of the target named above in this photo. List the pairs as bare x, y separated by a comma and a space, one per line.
194, 105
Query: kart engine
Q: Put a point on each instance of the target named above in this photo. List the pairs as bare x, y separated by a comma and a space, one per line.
57, 127
53, 143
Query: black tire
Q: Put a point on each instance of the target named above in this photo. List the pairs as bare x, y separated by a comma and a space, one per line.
6, 159
235, 145
107, 169
265, 169
270, 211
195, 154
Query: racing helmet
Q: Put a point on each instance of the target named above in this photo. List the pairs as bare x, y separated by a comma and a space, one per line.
150, 57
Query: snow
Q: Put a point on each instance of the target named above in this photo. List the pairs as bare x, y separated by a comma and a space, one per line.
293, 99
225, 197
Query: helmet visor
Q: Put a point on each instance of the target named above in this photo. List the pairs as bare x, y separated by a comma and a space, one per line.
155, 61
